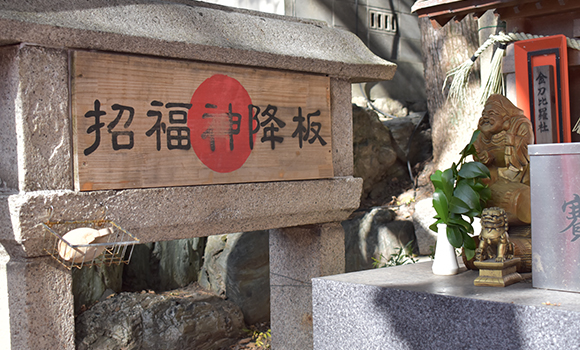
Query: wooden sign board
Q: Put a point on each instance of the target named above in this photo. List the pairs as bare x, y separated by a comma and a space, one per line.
545, 122
146, 122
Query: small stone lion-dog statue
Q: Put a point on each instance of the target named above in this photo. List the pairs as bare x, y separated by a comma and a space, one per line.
494, 234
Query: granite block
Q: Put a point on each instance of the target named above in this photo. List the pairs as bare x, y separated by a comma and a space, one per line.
163, 214
4, 304
341, 111
38, 296
291, 317
8, 136
300, 253
407, 307
34, 125
297, 255
42, 114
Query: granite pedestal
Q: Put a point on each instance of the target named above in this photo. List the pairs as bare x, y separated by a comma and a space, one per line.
407, 307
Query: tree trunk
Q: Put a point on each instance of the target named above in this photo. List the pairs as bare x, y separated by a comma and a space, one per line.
443, 49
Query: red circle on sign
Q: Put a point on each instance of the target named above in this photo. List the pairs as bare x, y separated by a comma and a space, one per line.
219, 123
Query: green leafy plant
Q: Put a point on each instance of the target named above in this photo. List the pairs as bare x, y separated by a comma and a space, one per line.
402, 256
378, 263
431, 252
459, 197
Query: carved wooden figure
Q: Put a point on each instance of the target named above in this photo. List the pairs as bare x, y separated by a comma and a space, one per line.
502, 146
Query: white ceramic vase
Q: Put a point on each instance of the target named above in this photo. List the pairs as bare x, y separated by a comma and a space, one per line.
445, 261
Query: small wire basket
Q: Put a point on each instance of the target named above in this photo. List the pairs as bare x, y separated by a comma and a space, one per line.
116, 248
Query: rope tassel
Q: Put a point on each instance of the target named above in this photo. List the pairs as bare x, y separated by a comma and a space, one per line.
460, 75
494, 83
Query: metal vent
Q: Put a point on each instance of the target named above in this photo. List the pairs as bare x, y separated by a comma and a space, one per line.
383, 21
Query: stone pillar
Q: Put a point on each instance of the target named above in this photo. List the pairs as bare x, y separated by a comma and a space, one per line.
4, 304
36, 304
297, 255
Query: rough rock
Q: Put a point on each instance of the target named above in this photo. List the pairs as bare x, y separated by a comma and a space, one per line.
183, 319
90, 283
375, 158
236, 266
162, 266
372, 233
391, 107
412, 137
422, 219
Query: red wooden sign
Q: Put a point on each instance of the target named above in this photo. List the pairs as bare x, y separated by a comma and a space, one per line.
548, 51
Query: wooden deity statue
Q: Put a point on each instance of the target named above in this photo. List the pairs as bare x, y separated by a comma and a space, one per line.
502, 145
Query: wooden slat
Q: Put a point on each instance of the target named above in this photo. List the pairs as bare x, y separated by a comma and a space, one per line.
434, 23
443, 8
460, 17
478, 14
537, 8
442, 20
137, 82
573, 57
576, 29
439, 10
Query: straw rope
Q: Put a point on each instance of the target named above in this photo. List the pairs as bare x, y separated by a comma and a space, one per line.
494, 82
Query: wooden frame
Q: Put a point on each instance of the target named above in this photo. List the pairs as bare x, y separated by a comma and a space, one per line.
547, 51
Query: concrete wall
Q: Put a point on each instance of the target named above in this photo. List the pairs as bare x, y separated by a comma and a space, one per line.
399, 43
